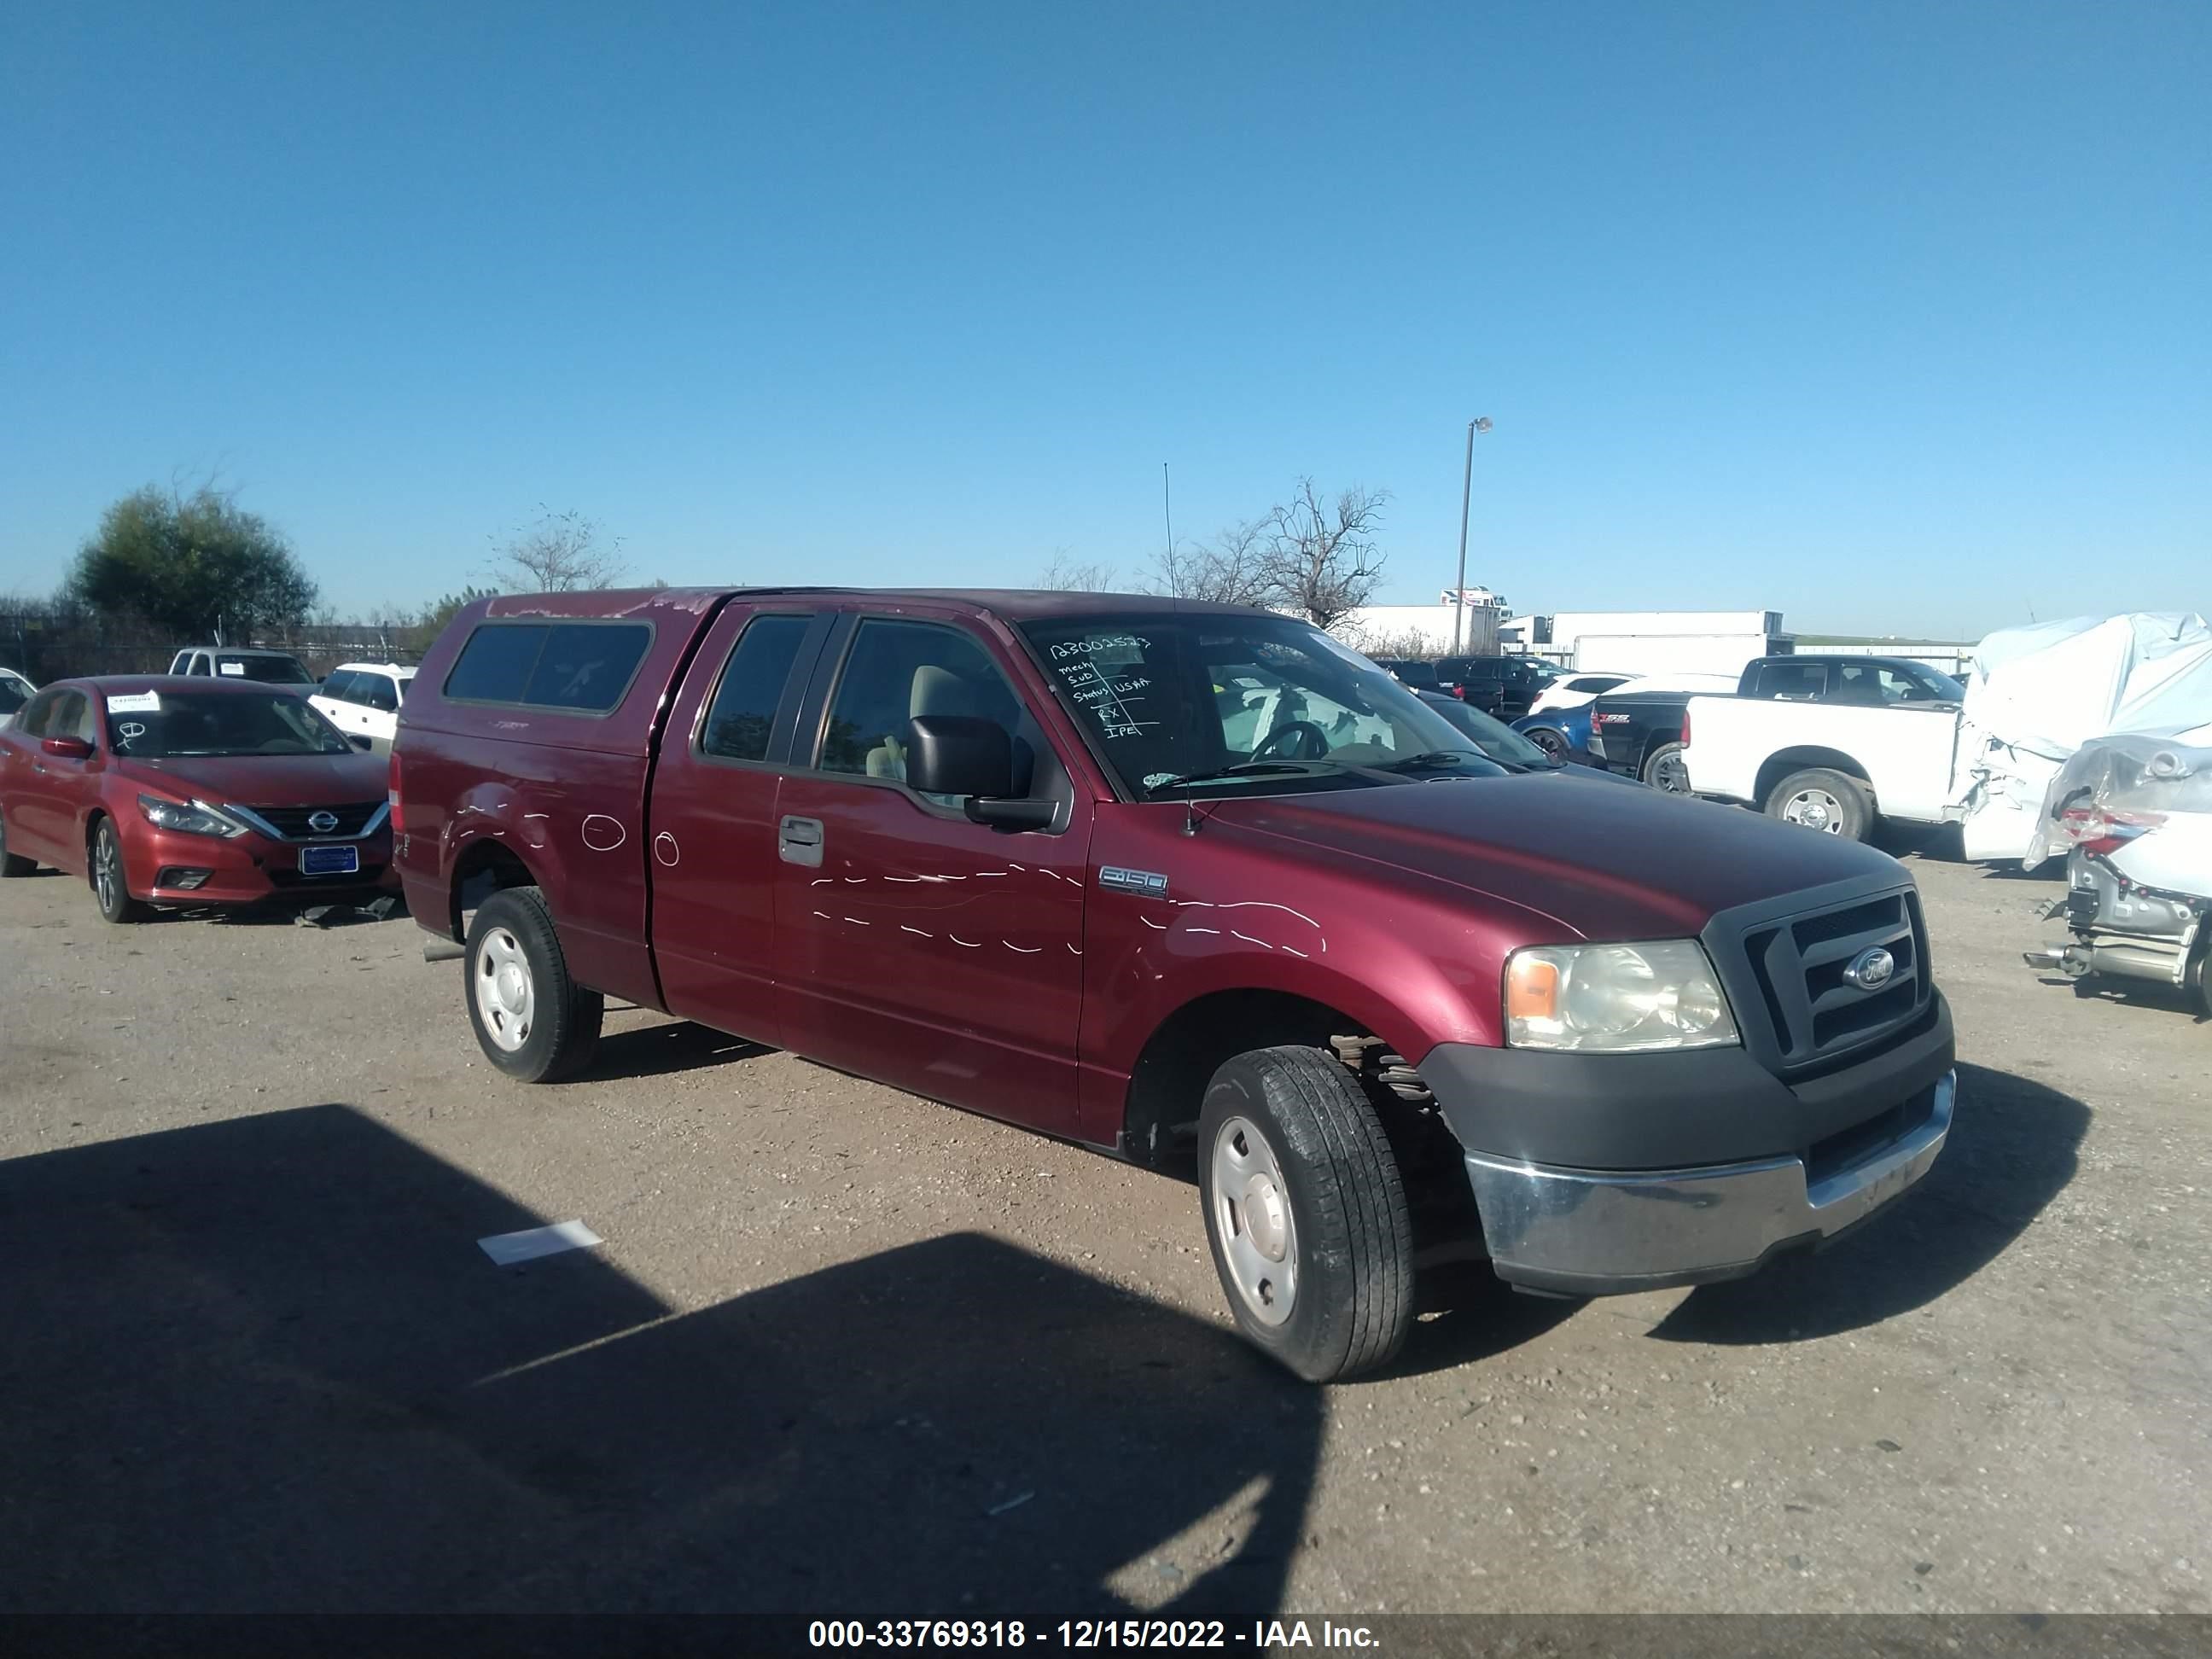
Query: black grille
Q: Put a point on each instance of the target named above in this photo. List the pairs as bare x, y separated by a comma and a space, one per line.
1790, 979
292, 821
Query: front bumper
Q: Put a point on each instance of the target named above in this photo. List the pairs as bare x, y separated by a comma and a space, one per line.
1584, 1232
249, 869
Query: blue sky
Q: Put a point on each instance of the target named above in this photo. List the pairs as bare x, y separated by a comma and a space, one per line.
1897, 318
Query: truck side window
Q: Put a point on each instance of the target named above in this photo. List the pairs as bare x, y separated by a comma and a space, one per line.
586, 665
743, 709
1793, 679
339, 688
494, 665
375, 691
897, 669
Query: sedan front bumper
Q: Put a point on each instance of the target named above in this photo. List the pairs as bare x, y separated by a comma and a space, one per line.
1584, 1232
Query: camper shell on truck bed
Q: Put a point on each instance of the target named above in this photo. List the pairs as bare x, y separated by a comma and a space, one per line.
1194, 885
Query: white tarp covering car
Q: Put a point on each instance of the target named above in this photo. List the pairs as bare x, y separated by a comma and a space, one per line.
2035, 694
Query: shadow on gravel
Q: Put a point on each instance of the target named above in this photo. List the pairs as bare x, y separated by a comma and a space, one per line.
1468, 1314
264, 1365
2011, 1151
662, 1050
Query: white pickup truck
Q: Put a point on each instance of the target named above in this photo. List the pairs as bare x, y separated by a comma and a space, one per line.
1837, 745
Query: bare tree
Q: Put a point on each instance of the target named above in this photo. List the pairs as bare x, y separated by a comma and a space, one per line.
1314, 557
1319, 558
1065, 574
1226, 570
557, 553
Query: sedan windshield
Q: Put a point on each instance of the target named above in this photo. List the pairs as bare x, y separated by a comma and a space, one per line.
1493, 736
12, 695
168, 724
1219, 703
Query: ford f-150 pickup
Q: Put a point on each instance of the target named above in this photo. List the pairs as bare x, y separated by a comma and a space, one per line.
1198, 887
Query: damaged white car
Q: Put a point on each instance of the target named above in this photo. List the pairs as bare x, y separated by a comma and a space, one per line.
2036, 696
2133, 816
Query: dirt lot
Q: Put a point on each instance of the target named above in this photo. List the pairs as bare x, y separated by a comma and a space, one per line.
844, 1350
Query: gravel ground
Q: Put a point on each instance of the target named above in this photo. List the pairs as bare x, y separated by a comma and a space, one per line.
845, 1351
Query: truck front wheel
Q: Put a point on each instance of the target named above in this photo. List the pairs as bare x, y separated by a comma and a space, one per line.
1830, 802
532, 1020
1305, 1211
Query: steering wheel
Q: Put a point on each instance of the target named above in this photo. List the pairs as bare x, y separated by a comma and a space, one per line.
1312, 741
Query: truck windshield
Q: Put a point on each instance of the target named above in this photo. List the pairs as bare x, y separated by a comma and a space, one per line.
269, 670
169, 725
1216, 703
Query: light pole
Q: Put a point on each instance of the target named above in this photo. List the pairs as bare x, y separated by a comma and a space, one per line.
1480, 423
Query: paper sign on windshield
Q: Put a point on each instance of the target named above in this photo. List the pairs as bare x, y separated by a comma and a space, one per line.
136, 702
237, 668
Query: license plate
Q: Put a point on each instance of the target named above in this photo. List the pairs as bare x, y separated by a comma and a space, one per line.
329, 860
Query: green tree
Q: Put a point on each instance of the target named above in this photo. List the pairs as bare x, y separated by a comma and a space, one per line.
195, 565
434, 617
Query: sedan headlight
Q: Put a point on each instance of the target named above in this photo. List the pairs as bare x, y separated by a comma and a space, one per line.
1616, 998
196, 819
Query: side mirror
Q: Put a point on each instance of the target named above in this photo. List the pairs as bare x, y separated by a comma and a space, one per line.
76, 748
961, 755
360, 740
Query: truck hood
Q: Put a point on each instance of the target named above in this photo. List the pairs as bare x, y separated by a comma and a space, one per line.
1604, 863
265, 780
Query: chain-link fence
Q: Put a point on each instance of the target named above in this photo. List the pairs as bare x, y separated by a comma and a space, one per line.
44, 647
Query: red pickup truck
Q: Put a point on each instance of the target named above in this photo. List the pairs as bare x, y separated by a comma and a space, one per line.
1196, 886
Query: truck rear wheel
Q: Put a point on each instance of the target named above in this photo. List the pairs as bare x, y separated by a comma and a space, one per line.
1664, 769
1305, 1213
1830, 802
532, 1020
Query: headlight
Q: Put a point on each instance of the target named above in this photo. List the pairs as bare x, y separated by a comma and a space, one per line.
1616, 998
196, 819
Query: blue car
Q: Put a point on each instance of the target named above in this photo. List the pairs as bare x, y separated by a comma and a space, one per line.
1562, 733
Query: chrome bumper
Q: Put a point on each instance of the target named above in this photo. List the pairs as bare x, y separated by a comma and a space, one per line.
1586, 1232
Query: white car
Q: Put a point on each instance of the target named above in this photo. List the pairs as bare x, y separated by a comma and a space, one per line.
362, 699
1573, 690
14, 692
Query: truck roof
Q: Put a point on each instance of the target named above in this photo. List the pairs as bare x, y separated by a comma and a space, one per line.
1014, 603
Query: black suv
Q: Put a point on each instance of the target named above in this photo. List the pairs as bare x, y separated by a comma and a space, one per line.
1502, 686
1421, 675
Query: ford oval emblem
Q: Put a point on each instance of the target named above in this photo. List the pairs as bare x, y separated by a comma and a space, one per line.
1870, 970
323, 822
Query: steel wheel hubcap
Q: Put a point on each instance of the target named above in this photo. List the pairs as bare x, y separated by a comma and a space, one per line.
1252, 1217
1815, 809
506, 1000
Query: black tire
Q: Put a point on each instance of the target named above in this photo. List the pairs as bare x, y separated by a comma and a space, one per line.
1321, 1155
1554, 742
111, 882
1664, 771
542, 1027
13, 863
1831, 803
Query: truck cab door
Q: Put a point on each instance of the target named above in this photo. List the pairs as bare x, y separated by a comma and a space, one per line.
711, 830
913, 945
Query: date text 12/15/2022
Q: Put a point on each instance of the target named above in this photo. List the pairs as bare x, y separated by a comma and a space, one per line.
1261, 1635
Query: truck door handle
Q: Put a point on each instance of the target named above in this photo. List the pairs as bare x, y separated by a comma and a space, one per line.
798, 840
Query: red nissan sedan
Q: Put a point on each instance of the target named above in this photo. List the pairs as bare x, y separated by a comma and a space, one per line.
168, 791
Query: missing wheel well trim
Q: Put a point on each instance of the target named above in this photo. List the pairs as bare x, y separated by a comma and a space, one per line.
486, 868
1168, 1085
